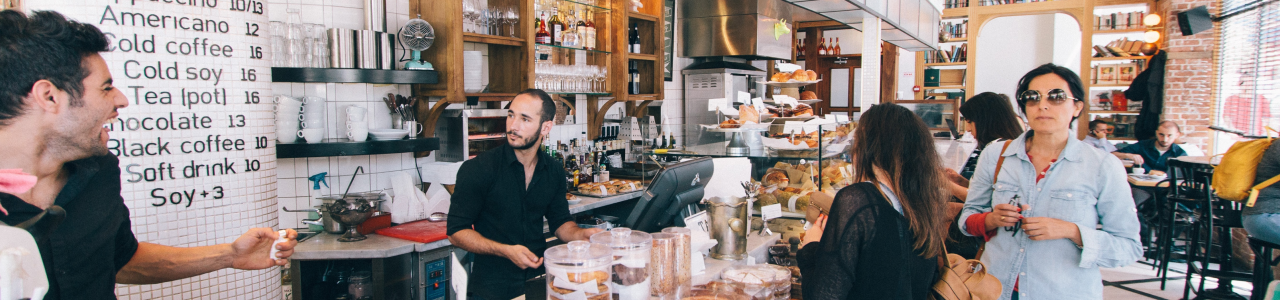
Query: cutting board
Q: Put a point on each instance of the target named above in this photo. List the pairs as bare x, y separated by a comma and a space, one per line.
418, 231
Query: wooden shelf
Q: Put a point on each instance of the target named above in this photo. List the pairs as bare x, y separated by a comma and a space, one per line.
643, 97
959, 40
345, 147
1029, 7
642, 16
354, 75
638, 56
1122, 112
489, 97
1108, 86
954, 13
1118, 58
1114, 31
944, 87
946, 64
492, 39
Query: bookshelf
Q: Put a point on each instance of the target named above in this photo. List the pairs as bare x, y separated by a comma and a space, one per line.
1116, 30
976, 13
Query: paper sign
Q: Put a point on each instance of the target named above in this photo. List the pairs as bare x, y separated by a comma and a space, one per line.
842, 118
758, 104
713, 104
744, 97
830, 118
458, 275
728, 110
792, 127
771, 211
698, 264
699, 229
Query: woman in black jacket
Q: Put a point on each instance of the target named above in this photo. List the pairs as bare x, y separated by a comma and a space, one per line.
882, 236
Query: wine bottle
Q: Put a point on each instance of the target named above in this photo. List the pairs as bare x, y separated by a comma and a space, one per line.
542, 36
822, 47
634, 83
635, 38
589, 39
837, 49
557, 28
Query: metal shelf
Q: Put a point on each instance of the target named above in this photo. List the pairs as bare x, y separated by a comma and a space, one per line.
354, 75
345, 147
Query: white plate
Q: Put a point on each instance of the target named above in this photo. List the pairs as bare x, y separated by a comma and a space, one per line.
388, 134
790, 84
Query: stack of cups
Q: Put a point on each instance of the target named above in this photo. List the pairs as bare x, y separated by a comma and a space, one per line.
357, 128
288, 112
312, 119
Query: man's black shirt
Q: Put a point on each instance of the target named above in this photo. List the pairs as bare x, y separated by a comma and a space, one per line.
490, 196
84, 252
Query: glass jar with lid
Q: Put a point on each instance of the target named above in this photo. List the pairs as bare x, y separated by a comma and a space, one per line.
764, 281
630, 261
579, 270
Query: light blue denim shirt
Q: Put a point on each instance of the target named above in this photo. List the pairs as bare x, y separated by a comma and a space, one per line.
1086, 187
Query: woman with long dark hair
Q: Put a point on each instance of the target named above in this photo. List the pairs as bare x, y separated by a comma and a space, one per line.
1050, 192
883, 234
988, 117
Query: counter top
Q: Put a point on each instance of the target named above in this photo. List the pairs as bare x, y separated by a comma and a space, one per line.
757, 247
589, 203
326, 246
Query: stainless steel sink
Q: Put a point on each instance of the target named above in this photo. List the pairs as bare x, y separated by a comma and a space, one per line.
304, 235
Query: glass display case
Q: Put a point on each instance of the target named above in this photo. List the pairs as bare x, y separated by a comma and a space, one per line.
788, 140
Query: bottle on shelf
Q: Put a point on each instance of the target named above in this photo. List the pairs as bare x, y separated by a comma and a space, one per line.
800, 46
836, 51
671, 138
556, 27
589, 39
633, 86
822, 47
634, 39
542, 36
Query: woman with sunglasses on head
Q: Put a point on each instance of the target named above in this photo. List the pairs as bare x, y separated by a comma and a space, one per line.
883, 234
1038, 200
988, 117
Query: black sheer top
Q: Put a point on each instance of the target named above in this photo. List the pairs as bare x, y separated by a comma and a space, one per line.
865, 252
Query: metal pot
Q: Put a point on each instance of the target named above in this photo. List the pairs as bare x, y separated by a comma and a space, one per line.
323, 220
728, 226
352, 214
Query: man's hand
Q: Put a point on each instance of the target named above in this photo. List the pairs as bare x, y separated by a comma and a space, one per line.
1045, 229
1137, 160
521, 256
1003, 215
252, 250
586, 233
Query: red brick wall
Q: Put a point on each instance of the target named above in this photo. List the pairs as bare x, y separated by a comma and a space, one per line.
1189, 82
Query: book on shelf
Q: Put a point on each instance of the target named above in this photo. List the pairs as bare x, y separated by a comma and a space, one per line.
1125, 73
955, 55
952, 31
1003, 2
955, 3
1119, 21
1107, 74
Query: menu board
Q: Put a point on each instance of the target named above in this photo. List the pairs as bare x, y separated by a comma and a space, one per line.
196, 150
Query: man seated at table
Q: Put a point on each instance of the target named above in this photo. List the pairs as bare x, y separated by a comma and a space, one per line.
1154, 154
1098, 130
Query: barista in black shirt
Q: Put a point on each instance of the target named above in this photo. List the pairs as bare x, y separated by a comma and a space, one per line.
503, 195
56, 93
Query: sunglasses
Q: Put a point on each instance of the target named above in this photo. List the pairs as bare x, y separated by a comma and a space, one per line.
1055, 96
1017, 226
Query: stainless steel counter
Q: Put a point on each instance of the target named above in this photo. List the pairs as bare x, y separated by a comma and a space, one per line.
326, 246
589, 203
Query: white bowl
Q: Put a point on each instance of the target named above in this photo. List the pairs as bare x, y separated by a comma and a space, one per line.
388, 134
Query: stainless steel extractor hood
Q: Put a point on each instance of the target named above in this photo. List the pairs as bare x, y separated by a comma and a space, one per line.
734, 28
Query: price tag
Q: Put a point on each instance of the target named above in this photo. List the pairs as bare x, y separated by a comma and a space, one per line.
842, 118
713, 104
771, 211
743, 97
699, 227
758, 104
603, 191
792, 127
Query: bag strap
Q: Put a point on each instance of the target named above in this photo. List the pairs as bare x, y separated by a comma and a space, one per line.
942, 259
1253, 192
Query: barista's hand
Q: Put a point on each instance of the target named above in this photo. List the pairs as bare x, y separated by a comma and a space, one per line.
585, 233
521, 256
251, 250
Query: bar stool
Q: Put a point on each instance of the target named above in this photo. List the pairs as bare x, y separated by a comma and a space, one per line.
1184, 191
1214, 215
1262, 263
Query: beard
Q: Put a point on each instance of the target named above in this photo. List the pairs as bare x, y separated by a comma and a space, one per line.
78, 139
525, 143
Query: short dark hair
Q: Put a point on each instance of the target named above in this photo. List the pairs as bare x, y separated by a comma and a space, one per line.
548, 104
1073, 83
1094, 124
992, 116
1170, 124
44, 46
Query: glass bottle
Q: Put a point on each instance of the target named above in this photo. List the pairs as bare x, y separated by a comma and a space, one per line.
822, 47
837, 49
634, 79
590, 38
542, 36
557, 28
580, 26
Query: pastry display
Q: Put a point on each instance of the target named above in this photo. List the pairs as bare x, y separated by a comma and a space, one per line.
792, 185
611, 187
578, 270
800, 75
764, 281
631, 257
748, 115
730, 123
808, 95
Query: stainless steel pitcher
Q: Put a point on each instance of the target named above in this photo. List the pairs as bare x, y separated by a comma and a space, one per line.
728, 226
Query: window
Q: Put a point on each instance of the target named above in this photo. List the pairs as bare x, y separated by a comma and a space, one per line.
1249, 82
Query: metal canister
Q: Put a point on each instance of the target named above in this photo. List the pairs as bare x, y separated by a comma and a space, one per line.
375, 15
386, 51
342, 48
728, 226
367, 49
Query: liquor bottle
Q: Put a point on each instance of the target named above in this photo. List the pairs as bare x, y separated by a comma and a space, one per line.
837, 50
822, 47
672, 138
542, 36
557, 28
635, 38
663, 145
633, 86
589, 39
800, 48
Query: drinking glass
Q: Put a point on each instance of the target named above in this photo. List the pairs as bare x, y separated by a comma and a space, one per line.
513, 17
469, 15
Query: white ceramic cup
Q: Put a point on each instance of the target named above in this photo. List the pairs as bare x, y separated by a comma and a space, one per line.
1138, 170
286, 100
414, 127
313, 123
312, 135
358, 132
356, 113
285, 133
